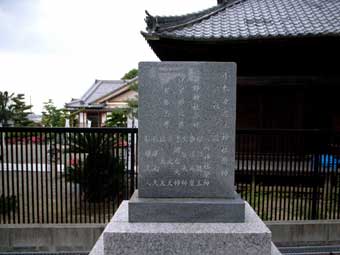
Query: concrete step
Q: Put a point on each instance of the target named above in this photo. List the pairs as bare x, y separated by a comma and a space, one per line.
98, 249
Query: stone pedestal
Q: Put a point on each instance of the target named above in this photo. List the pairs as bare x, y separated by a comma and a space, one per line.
125, 238
186, 152
190, 210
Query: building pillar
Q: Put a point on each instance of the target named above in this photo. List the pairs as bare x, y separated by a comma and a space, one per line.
82, 121
103, 119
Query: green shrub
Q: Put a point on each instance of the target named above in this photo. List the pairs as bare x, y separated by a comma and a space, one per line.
102, 177
8, 203
73, 173
101, 173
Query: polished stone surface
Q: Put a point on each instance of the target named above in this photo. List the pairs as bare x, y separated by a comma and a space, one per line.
186, 209
187, 116
125, 238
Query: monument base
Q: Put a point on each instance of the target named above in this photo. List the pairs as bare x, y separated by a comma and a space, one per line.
187, 210
125, 238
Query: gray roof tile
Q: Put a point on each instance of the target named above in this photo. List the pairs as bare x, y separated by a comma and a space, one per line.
99, 89
245, 19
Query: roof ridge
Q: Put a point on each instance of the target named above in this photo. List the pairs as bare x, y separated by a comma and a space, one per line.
111, 80
163, 23
91, 90
176, 17
130, 80
125, 84
95, 87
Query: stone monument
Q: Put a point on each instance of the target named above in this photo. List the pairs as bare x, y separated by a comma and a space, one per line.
186, 202
186, 144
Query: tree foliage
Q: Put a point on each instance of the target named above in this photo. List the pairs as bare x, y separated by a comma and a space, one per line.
130, 75
117, 118
14, 109
20, 112
101, 173
5, 109
8, 203
53, 116
132, 109
133, 103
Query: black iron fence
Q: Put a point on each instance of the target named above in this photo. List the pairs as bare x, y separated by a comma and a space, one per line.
71, 175
65, 175
289, 174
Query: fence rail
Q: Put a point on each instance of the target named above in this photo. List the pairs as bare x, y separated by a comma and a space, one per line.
51, 175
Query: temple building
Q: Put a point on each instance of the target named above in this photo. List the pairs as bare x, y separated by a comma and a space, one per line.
99, 100
287, 55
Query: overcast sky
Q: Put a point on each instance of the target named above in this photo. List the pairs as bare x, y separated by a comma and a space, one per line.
55, 49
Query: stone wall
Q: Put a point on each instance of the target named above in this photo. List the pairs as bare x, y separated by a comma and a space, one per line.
49, 237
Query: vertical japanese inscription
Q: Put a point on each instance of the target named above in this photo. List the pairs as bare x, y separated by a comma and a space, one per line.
186, 129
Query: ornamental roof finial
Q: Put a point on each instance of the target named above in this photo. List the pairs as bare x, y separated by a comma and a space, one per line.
151, 22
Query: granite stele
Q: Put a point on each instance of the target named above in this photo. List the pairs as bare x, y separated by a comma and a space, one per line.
186, 144
186, 202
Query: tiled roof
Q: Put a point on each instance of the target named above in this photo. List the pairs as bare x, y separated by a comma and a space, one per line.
247, 19
99, 89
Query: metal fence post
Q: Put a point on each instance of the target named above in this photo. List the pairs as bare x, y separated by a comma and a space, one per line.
315, 186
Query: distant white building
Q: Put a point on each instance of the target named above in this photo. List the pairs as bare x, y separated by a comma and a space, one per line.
34, 117
100, 99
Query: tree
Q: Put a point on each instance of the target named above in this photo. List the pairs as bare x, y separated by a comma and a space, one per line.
52, 116
14, 109
20, 111
130, 75
101, 173
133, 103
117, 118
5, 111
132, 110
